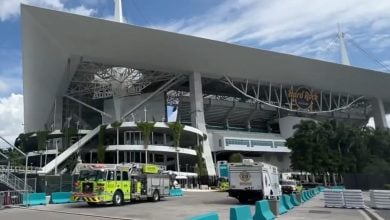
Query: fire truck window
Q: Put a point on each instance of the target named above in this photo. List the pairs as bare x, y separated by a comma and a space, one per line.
125, 176
118, 175
110, 175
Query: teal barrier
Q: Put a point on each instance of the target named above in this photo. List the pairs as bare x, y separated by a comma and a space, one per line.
263, 212
175, 192
240, 213
286, 202
304, 196
307, 195
294, 201
208, 216
34, 199
282, 208
61, 197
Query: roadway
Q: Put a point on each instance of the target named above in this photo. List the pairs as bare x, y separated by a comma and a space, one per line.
192, 203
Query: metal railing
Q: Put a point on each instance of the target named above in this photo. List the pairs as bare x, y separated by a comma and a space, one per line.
11, 198
18, 169
13, 182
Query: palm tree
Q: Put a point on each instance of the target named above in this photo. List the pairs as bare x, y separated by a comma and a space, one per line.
146, 129
117, 125
101, 150
176, 130
200, 165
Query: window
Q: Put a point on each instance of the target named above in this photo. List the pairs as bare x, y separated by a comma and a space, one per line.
262, 143
110, 175
159, 158
279, 144
118, 175
237, 142
125, 175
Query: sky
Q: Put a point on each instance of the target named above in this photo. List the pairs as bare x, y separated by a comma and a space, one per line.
300, 27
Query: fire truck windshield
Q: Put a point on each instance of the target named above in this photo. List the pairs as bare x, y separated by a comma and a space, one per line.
92, 175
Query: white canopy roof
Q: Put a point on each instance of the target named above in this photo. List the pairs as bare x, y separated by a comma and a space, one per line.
50, 38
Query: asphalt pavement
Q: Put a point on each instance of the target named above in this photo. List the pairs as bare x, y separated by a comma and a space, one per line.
191, 204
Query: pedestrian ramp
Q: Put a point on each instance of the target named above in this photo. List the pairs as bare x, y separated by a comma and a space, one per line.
69, 151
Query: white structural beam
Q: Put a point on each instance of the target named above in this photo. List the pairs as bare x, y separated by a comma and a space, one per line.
89, 106
197, 117
118, 11
379, 114
162, 88
343, 50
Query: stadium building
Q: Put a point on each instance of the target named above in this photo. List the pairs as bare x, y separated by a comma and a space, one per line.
82, 72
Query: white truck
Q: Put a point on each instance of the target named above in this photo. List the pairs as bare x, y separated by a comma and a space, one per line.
252, 181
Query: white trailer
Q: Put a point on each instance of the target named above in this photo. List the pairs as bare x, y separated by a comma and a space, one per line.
252, 181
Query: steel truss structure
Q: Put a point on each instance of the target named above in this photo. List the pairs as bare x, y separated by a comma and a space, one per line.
283, 97
99, 81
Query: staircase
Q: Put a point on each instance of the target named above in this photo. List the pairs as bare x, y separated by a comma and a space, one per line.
13, 182
68, 152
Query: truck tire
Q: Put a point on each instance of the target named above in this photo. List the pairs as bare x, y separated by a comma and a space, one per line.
92, 204
117, 198
155, 196
243, 200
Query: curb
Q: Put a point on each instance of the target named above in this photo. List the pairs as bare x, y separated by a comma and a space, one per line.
372, 214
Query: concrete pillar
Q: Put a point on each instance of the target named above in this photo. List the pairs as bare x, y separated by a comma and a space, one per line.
197, 117
379, 114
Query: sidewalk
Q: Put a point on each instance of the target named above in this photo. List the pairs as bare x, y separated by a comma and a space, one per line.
314, 209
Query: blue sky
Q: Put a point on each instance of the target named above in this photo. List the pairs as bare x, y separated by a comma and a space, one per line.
300, 27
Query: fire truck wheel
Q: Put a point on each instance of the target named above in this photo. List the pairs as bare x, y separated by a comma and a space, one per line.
156, 196
92, 204
117, 198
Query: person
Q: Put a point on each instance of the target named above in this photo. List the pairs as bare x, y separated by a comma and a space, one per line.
175, 184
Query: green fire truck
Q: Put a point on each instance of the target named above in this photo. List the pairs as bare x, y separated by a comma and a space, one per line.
119, 183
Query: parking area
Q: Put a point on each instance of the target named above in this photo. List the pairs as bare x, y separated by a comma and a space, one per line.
192, 203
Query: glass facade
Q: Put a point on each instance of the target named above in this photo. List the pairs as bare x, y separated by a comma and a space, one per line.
254, 143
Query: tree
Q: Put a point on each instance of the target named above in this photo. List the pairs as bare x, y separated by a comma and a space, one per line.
200, 164
338, 148
146, 129
235, 158
68, 134
41, 142
117, 125
176, 129
101, 149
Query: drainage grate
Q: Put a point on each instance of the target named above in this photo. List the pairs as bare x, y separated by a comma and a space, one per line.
319, 212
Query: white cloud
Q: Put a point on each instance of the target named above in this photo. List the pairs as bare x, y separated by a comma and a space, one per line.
284, 25
11, 8
11, 117
3, 86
